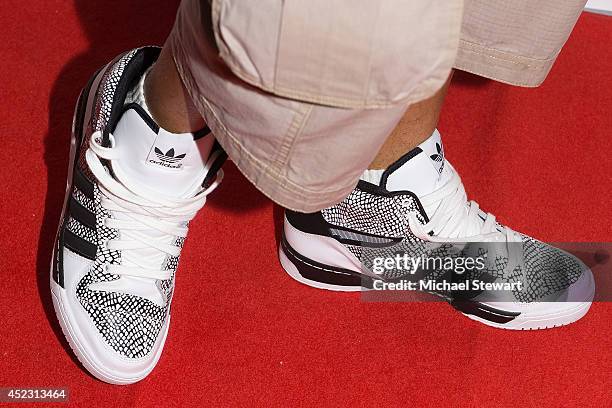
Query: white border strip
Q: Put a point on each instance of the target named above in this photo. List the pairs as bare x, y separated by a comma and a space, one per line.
599, 6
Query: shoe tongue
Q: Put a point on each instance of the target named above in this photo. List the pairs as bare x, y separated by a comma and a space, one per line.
167, 163
421, 171
158, 161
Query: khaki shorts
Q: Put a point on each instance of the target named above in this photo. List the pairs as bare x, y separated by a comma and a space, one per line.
302, 94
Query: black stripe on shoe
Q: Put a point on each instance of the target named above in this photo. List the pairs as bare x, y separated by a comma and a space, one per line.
82, 183
78, 245
216, 165
483, 311
58, 261
201, 133
82, 214
314, 223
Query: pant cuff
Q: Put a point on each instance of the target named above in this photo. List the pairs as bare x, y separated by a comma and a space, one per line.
502, 66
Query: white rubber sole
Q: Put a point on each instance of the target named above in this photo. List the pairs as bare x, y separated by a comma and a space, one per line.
546, 321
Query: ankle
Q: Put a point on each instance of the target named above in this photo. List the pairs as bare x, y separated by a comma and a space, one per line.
417, 125
168, 100
393, 149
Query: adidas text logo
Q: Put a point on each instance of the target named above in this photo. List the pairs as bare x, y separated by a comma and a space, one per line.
168, 159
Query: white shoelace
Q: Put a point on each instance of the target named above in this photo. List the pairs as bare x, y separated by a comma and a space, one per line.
149, 224
458, 219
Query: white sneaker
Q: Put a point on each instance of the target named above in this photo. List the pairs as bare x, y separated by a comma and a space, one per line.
418, 207
132, 189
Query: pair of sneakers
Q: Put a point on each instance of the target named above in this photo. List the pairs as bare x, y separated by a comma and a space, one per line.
133, 188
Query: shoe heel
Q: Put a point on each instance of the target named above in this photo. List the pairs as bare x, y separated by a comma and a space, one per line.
315, 274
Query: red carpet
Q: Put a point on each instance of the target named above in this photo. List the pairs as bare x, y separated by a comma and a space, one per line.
244, 333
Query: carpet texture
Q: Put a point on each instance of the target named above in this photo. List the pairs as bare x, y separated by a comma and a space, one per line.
243, 332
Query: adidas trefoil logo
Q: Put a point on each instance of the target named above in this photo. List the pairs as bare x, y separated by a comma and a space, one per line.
168, 159
438, 157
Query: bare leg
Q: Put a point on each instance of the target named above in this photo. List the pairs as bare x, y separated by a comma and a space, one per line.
167, 98
417, 124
